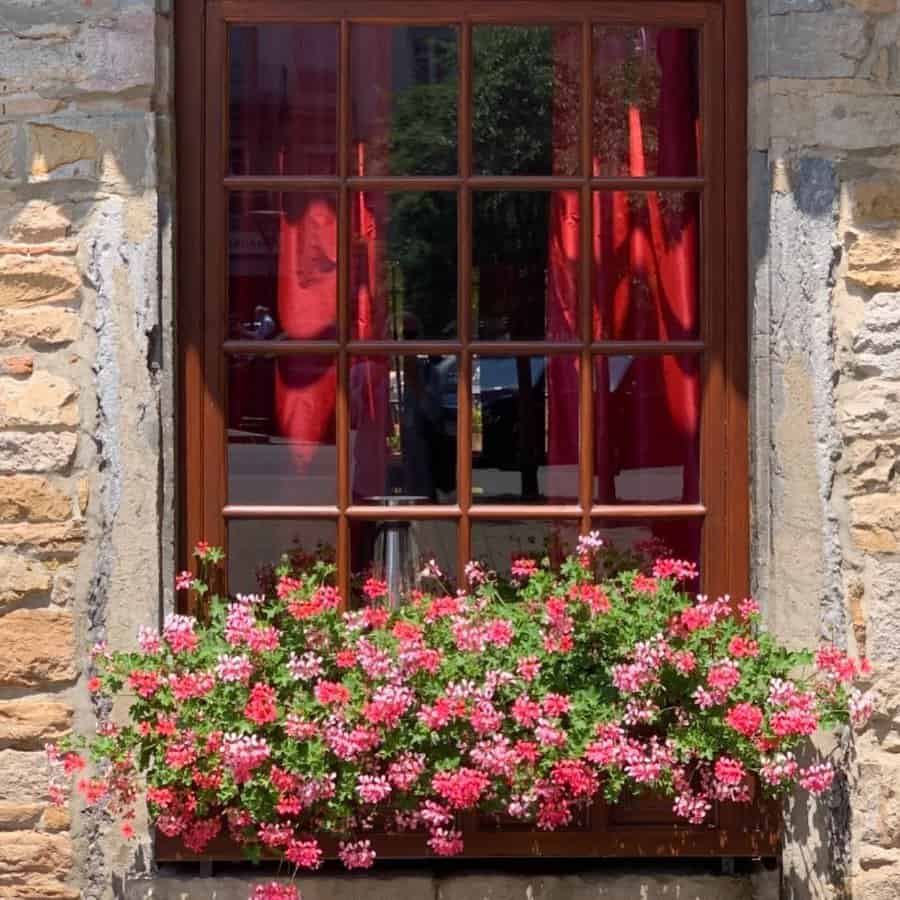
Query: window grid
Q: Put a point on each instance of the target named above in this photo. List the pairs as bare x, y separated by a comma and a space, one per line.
587, 347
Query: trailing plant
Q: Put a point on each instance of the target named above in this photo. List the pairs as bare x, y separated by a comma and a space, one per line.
281, 717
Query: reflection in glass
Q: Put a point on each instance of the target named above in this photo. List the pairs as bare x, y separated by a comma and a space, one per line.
282, 266
403, 268
524, 429
637, 543
497, 543
647, 429
281, 430
397, 551
526, 251
646, 101
255, 547
403, 420
526, 97
282, 99
646, 265
404, 100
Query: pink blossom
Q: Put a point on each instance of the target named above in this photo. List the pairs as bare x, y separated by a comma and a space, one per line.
260, 708
691, 806
525, 711
331, 692
305, 667
446, 842
242, 754
149, 641
817, 778
744, 718
779, 769
499, 632
274, 891
306, 854
740, 647
528, 668
178, 632
723, 676
556, 705
861, 706
461, 788
262, 640
356, 854
234, 669
373, 788
748, 608
183, 580
404, 772
239, 623
678, 569
523, 567
729, 771
299, 729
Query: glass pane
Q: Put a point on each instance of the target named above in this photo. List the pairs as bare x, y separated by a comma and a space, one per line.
637, 543
497, 543
283, 99
403, 266
281, 430
397, 553
646, 279
525, 429
525, 266
646, 101
647, 429
255, 547
282, 266
404, 100
526, 99
403, 429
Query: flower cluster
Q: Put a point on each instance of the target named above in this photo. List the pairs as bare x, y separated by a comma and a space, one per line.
283, 717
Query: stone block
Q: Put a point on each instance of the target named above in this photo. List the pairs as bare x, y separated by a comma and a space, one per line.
44, 538
875, 200
36, 648
43, 326
19, 816
55, 818
8, 151
827, 44
32, 498
61, 152
30, 280
20, 579
43, 400
29, 451
876, 344
27, 852
875, 522
881, 884
874, 260
30, 724
24, 776
17, 366
39, 222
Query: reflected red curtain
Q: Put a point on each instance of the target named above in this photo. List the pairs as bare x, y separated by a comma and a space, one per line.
645, 276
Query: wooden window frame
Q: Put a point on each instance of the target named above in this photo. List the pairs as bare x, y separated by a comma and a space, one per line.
202, 188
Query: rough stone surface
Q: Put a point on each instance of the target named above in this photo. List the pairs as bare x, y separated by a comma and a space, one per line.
36, 648
30, 724
53, 148
828, 44
21, 579
874, 260
41, 400
32, 498
28, 451
23, 776
39, 222
27, 280
38, 327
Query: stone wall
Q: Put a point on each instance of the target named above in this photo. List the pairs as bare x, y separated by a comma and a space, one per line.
825, 248
84, 374
86, 400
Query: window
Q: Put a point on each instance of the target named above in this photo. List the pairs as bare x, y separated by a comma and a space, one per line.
464, 279
460, 280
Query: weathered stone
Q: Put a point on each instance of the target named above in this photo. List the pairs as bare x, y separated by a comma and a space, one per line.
882, 634
874, 260
18, 816
24, 852
29, 724
825, 44
780, 7
36, 648
876, 346
44, 538
63, 591
875, 7
24, 776
56, 818
882, 884
875, 522
45, 399
39, 222
29, 280
36, 451
32, 498
18, 366
8, 151
40, 888
52, 149
875, 200
21, 578
39, 326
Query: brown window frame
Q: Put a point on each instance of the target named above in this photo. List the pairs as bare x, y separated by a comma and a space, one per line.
202, 189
